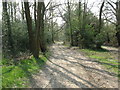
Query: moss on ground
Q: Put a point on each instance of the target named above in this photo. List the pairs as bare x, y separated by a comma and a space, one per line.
20, 75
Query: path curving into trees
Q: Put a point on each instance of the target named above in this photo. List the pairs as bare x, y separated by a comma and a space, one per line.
68, 68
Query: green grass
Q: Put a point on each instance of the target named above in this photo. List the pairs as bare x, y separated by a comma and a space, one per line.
20, 75
104, 57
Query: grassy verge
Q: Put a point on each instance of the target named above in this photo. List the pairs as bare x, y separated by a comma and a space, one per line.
20, 75
104, 57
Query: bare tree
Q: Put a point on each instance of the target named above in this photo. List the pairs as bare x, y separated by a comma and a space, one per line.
40, 25
69, 21
116, 13
118, 21
30, 28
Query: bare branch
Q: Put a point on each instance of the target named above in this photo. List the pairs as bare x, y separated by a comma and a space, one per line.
60, 29
106, 18
100, 14
111, 6
110, 21
62, 16
48, 4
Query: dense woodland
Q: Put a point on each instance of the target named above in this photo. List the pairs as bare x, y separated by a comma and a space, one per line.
34, 32
30, 28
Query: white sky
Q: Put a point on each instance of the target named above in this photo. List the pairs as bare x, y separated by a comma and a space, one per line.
94, 9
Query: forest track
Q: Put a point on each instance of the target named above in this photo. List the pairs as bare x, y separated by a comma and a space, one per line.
68, 68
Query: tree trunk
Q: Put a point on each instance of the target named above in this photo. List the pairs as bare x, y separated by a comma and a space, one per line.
52, 24
22, 11
84, 17
100, 14
98, 45
37, 26
118, 21
108, 39
79, 33
83, 25
69, 21
40, 25
35, 13
32, 43
43, 45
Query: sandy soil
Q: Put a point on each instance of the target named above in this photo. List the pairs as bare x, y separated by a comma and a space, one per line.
68, 68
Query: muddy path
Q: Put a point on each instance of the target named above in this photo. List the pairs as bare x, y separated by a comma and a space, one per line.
68, 68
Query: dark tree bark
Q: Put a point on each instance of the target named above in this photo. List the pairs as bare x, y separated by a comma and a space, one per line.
118, 21
36, 39
35, 17
100, 14
23, 12
40, 23
32, 43
108, 39
37, 45
98, 45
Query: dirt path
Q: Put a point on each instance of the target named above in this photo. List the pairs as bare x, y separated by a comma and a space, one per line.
68, 68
